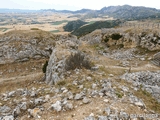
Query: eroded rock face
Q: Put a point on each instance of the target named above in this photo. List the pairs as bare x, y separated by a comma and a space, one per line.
56, 65
20, 46
121, 38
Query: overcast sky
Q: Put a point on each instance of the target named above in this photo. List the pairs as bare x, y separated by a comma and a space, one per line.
74, 4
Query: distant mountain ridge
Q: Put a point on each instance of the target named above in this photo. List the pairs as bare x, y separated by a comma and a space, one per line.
5, 10
130, 12
119, 12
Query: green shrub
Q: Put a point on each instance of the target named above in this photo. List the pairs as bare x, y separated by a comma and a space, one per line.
78, 60
116, 36
106, 39
119, 94
34, 29
61, 82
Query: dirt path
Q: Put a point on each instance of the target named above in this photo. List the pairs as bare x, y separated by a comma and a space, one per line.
139, 68
21, 78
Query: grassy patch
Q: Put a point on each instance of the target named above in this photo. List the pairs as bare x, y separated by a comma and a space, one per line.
61, 82
73, 88
4, 29
59, 22
91, 22
54, 31
119, 94
34, 29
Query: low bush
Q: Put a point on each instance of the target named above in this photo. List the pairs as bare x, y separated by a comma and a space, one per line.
77, 60
116, 36
34, 29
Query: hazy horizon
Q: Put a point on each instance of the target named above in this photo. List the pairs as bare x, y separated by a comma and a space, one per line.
72, 4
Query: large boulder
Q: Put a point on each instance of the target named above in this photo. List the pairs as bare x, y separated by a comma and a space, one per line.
56, 65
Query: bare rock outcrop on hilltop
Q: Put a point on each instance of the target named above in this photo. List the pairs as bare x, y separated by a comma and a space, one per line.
127, 38
56, 65
24, 45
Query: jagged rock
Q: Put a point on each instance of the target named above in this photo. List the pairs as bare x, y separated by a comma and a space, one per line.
16, 48
140, 104
111, 75
106, 100
64, 90
68, 106
89, 78
16, 111
10, 117
70, 95
53, 65
33, 94
102, 118
56, 65
101, 94
11, 94
123, 115
95, 68
23, 106
93, 93
94, 86
156, 90
89, 118
125, 89
19, 92
38, 101
107, 111
57, 106
142, 59
5, 109
80, 86
150, 81
47, 97
86, 100
79, 96
64, 101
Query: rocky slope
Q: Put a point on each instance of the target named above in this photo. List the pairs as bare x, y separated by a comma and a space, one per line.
121, 82
19, 46
126, 38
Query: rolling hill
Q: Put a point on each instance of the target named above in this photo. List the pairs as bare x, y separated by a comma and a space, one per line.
126, 12
97, 25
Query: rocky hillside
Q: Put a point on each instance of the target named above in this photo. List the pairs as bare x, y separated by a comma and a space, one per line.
130, 12
126, 38
106, 74
20, 46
